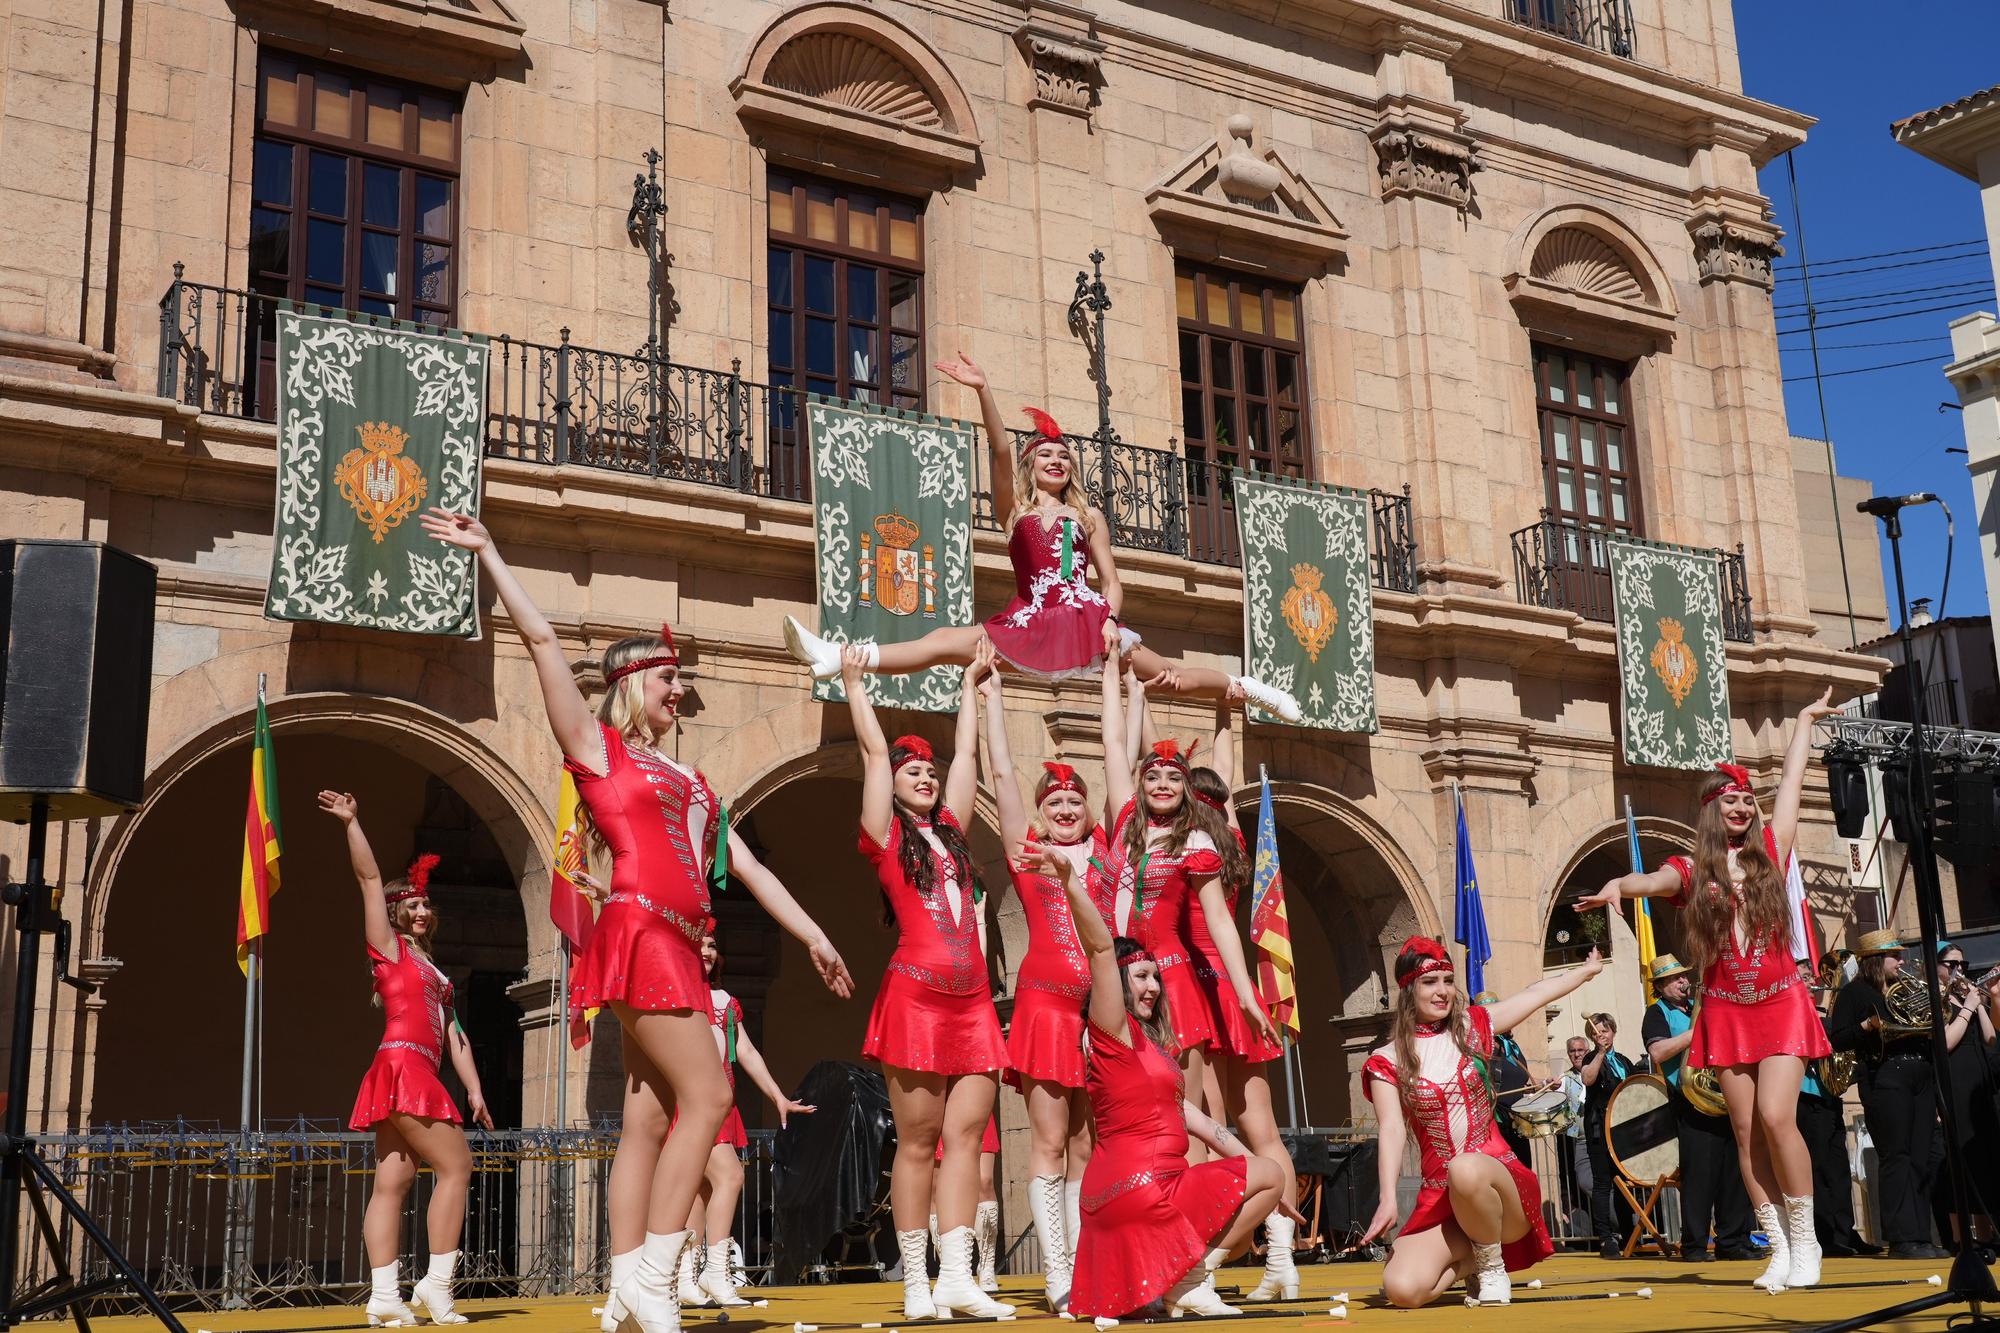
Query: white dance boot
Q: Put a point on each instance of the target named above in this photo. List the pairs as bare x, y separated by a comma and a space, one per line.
822, 655
1195, 1292
915, 1247
1281, 1276
385, 1298
1045, 1194
716, 1281
612, 1313
433, 1290
1072, 1216
956, 1294
648, 1295
1776, 1276
986, 1235
1269, 699
1490, 1284
687, 1275
1804, 1242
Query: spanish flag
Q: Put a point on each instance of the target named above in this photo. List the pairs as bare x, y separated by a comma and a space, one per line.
261, 842
1270, 929
569, 905
1642, 914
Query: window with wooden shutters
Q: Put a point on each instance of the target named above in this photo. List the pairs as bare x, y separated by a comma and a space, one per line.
1590, 478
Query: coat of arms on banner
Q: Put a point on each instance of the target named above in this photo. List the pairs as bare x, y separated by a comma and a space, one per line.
1309, 611
1673, 666
375, 421
900, 579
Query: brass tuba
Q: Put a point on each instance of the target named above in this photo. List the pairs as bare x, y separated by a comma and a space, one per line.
1835, 1072
1703, 1090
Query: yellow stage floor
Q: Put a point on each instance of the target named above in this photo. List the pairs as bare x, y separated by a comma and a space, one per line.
1712, 1296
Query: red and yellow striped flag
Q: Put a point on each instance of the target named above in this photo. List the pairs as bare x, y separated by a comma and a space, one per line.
569, 905
261, 842
1270, 930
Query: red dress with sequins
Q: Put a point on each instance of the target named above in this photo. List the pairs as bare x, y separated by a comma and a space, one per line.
1753, 1002
1045, 1039
934, 1011
659, 820
1450, 1112
1234, 1035
1148, 1217
727, 1017
404, 1074
1159, 920
1054, 626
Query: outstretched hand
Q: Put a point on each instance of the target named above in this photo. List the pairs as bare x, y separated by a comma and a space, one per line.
1593, 963
788, 1108
341, 805
1824, 706
963, 371
460, 530
1607, 897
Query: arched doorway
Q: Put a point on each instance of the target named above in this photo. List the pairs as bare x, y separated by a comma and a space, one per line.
1569, 935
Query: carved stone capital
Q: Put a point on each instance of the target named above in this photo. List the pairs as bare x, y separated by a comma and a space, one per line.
1068, 69
1729, 248
1424, 164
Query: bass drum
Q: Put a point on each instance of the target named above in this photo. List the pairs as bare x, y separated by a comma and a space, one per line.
1640, 1132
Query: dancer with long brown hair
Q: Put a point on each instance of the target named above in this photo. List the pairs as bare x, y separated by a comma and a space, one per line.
1057, 625
401, 1099
1757, 1025
663, 826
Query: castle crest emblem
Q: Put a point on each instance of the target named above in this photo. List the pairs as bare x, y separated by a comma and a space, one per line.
895, 573
1309, 611
384, 485
1674, 661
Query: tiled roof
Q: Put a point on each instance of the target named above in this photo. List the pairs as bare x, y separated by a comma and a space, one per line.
1924, 120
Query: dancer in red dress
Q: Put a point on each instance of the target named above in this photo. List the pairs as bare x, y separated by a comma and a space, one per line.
1057, 625
1479, 1213
933, 1029
661, 823
401, 1098
1154, 1228
1045, 1039
986, 1218
1755, 1023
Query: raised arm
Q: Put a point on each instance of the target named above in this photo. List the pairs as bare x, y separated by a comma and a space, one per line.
1662, 883
1117, 772
1222, 753
1098, 540
961, 780
999, 443
1139, 730
878, 780
468, 1073
1107, 988
1517, 1008
1222, 929
772, 895
1792, 783
375, 927
752, 1060
1007, 794
569, 716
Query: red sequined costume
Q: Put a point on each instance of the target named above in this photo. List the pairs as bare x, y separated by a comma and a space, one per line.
1054, 626
727, 1017
1451, 1112
659, 819
403, 1077
1160, 893
934, 1011
1753, 1003
1234, 1034
1148, 1217
1045, 1039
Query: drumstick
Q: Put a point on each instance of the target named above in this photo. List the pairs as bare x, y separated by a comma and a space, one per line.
1643, 1293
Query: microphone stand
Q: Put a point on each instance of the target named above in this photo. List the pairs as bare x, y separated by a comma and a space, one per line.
1970, 1282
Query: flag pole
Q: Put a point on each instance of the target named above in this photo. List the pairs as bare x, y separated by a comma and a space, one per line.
250, 980
1457, 856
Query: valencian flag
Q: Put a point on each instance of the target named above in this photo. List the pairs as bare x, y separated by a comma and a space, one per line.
260, 843
1469, 928
1270, 931
569, 905
1643, 913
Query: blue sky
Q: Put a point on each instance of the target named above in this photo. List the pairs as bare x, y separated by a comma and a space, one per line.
1857, 69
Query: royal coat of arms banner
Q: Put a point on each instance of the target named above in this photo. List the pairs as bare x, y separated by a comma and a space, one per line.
376, 423
1672, 665
892, 522
1308, 599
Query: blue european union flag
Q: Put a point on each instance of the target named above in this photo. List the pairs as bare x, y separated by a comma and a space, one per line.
1470, 925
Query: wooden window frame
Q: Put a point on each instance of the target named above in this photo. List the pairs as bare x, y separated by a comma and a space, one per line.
1234, 287
1547, 409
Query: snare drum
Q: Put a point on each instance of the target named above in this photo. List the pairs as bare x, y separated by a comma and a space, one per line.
1543, 1115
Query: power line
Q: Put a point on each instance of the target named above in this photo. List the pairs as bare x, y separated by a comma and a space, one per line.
1893, 342
1891, 254
1879, 268
1877, 319
1863, 370
1852, 297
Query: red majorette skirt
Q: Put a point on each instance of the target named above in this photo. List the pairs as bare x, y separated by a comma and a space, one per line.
1061, 642
1728, 1033
638, 959
1045, 1038
1234, 1035
1142, 1234
989, 1140
1434, 1209
915, 1027
1187, 1007
402, 1078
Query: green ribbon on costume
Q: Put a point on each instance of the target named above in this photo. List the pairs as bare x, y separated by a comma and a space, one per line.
729, 1029
1139, 883
1068, 548
718, 866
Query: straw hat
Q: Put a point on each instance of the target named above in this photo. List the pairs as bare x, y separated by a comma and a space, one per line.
1486, 997
1878, 941
1666, 965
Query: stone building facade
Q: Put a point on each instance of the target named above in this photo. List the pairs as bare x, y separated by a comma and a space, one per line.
1514, 262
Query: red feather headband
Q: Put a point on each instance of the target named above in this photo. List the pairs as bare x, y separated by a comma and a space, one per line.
1168, 752
915, 747
1065, 778
1045, 426
1739, 780
1420, 955
671, 657
419, 877
1214, 803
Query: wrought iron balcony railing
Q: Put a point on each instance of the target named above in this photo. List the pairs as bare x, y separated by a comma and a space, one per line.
1567, 567
1604, 25
636, 412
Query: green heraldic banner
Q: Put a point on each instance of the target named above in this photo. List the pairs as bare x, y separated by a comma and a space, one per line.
1671, 661
1308, 600
892, 499
376, 423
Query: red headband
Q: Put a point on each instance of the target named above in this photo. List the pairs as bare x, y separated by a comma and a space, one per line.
1219, 806
1431, 957
918, 748
1167, 752
1045, 426
1138, 955
419, 877
708, 926
671, 658
1065, 778
1739, 780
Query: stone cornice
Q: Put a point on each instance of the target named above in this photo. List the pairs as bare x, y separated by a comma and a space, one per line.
445, 33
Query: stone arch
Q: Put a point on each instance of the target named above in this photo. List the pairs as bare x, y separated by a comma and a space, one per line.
858, 59
1588, 251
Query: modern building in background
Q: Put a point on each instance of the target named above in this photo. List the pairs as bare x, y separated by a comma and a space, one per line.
1843, 548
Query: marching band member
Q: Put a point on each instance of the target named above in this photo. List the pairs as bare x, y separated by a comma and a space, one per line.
1823, 1124
1602, 1072
1711, 1186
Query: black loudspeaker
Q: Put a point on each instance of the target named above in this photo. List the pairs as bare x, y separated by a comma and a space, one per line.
1966, 834
76, 668
1896, 796
1847, 786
